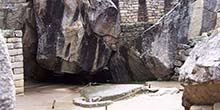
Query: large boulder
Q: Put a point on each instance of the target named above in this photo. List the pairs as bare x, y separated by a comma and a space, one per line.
7, 90
203, 63
83, 37
202, 74
126, 66
159, 44
75, 36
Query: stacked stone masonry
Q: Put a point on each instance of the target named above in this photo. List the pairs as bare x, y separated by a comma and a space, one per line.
14, 43
132, 31
141, 10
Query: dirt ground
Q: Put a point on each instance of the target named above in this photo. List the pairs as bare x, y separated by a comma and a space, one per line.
44, 96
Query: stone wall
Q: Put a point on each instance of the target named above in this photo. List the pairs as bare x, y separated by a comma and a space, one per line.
155, 9
12, 14
133, 31
141, 10
129, 10
14, 44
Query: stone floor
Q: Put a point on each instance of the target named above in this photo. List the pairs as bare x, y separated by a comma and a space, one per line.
42, 97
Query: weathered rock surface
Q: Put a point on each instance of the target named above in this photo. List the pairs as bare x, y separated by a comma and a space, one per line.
202, 68
126, 66
81, 37
30, 43
201, 94
75, 36
203, 63
159, 44
203, 15
13, 14
7, 91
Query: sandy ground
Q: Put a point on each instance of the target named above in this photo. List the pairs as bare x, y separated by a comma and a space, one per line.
42, 96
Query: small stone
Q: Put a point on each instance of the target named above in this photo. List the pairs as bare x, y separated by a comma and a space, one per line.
178, 63
183, 46
177, 70
181, 57
174, 77
18, 33
183, 52
188, 51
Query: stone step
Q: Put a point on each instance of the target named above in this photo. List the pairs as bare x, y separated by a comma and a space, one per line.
216, 106
201, 107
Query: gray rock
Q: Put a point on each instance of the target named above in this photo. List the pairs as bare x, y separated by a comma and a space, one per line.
201, 71
177, 70
203, 16
181, 57
203, 63
161, 41
187, 52
126, 66
178, 63
14, 15
109, 92
74, 37
7, 90
30, 43
183, 46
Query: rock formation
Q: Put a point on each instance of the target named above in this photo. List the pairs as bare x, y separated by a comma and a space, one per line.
7, 91
158, 45
203, 17
82, 36
75, 36
201, 72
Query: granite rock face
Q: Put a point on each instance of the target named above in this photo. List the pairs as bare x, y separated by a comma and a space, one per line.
201, 72
30, 43
75, 36
159, 45
7, 90
203, 63
13, 14
203, 15
126, 66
